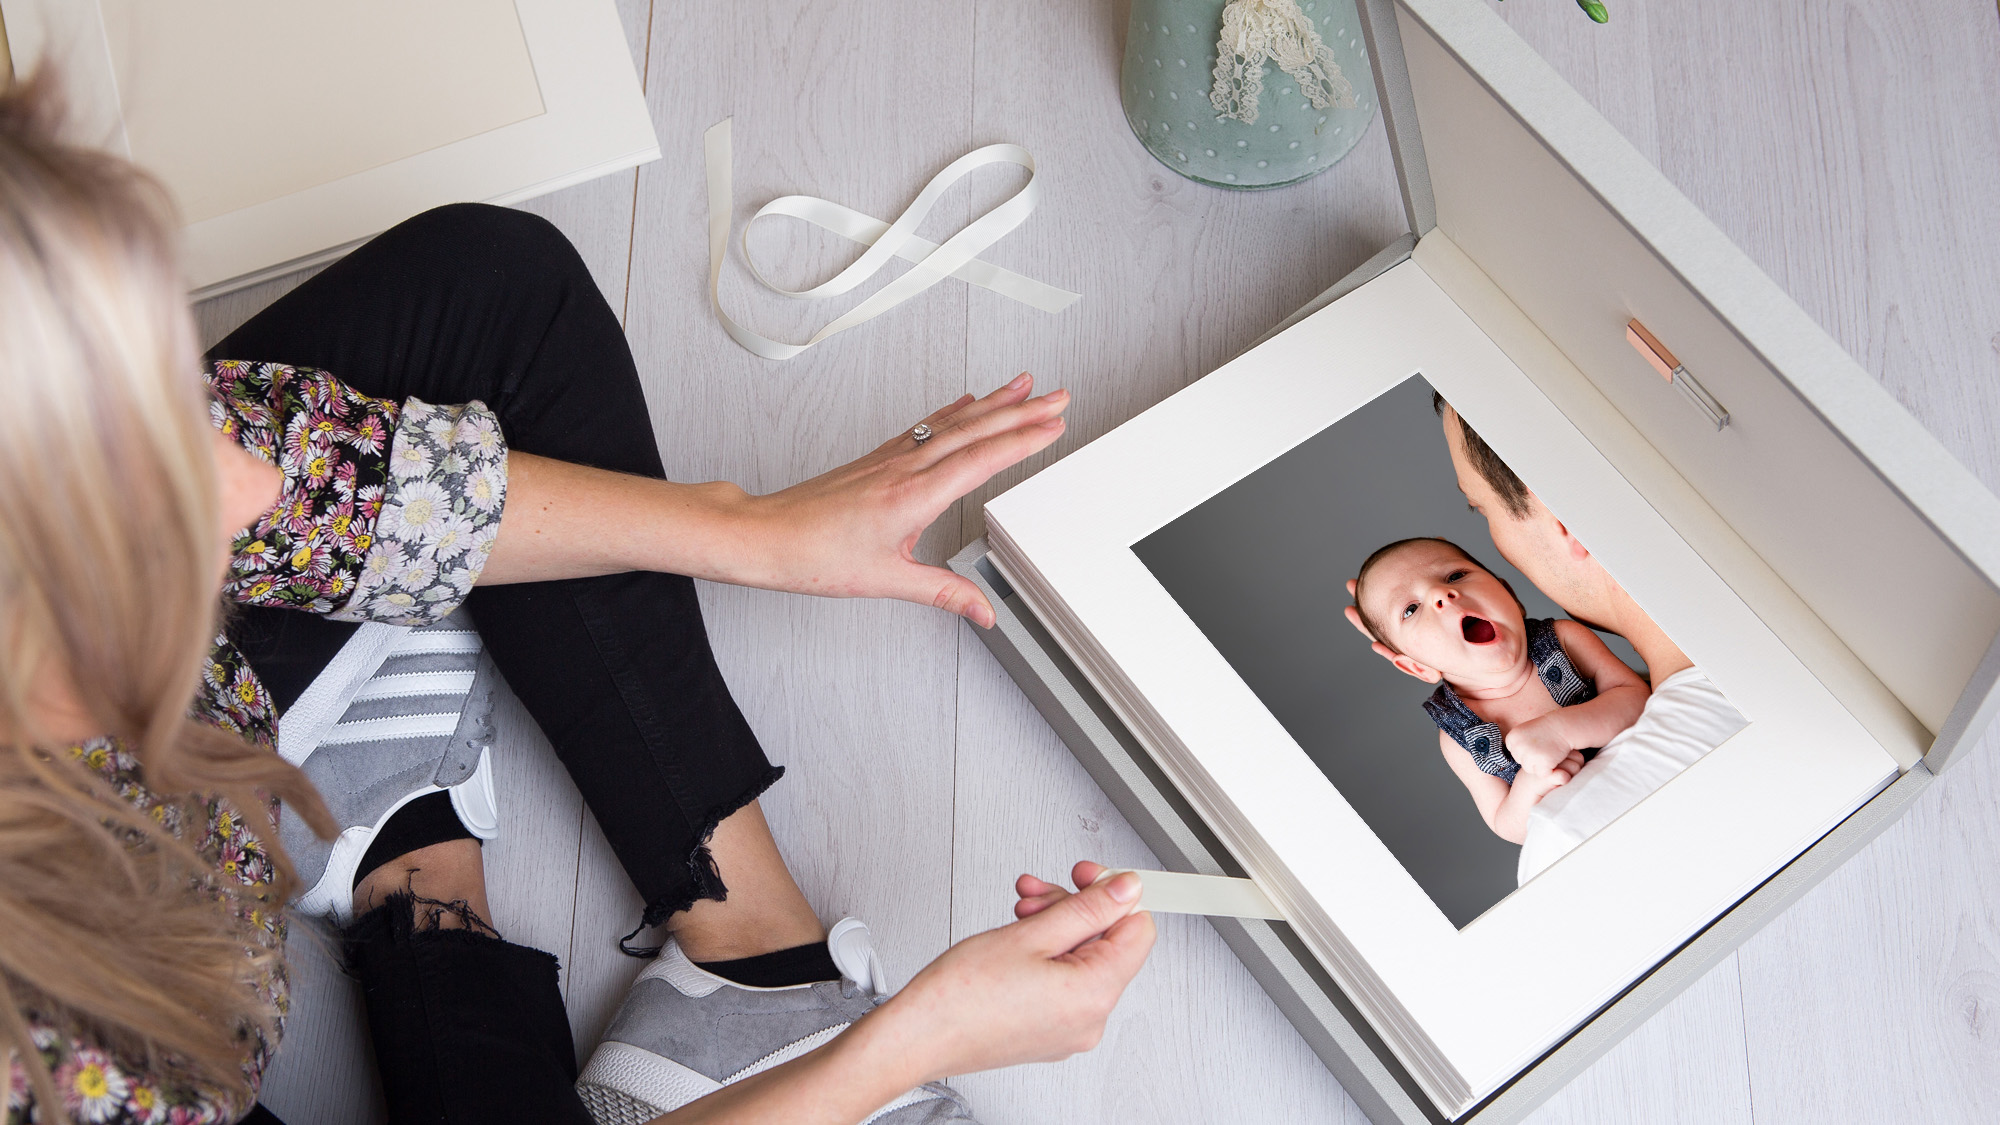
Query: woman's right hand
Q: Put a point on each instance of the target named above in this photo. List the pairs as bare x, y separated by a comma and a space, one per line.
1034, 991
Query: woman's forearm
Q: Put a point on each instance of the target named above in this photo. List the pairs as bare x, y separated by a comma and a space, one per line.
849, 532
571, 521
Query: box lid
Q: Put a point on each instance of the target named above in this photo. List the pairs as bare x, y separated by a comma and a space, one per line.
1864, 544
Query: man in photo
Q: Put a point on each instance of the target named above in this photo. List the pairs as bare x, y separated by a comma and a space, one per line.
1684, 718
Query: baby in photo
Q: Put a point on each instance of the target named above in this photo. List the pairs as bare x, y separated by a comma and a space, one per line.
1521, 704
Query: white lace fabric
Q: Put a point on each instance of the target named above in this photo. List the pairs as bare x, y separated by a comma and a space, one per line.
1254, 31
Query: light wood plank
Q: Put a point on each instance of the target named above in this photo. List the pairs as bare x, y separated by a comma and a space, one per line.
1876, 993
1685, 1064
324, 1072
596, 972
531, 870
858, 102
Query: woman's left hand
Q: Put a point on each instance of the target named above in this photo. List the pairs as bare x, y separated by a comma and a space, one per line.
852, 532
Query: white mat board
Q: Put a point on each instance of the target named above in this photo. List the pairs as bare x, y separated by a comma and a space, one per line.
1612, 908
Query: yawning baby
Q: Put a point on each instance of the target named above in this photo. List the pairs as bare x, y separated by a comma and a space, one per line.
1520, 704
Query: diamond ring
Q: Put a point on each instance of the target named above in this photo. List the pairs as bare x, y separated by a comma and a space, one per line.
922, 432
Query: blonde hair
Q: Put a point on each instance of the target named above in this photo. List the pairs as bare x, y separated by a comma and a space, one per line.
112, 926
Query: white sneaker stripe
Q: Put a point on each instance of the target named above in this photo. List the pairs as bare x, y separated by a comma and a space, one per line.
404, 684
422, 641
434, 725
787, 1052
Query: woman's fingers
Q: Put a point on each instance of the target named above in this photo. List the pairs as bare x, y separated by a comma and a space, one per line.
964, 408
972, 466
1016, 390
935, 420
1077, 918
1027, 886
944, 589
968, 429
1038, 895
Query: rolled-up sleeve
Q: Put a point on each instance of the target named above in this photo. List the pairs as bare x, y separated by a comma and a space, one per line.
388, 510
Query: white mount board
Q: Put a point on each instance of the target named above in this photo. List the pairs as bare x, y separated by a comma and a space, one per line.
1616, 905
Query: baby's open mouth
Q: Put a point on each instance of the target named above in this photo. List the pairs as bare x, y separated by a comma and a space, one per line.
1478, 630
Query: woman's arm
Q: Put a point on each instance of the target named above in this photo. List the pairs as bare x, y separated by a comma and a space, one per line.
1035, 991
847, 533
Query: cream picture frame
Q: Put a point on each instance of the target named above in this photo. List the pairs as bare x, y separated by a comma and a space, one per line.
580, 113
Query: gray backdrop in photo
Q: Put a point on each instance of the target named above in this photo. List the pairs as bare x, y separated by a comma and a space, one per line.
1262, 569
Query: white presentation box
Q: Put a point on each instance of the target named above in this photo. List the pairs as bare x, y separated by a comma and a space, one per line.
290, 133
1781, 463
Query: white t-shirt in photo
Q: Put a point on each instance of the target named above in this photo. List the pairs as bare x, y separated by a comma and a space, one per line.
1684, 718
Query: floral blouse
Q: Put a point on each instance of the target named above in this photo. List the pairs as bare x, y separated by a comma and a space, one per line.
388, 512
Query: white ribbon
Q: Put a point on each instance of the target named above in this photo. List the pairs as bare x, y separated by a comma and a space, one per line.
957, 257
1219, 896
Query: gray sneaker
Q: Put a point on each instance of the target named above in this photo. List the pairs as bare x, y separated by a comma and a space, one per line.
683, 1033
397, 714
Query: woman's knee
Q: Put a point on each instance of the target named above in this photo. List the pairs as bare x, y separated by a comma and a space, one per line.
482, 237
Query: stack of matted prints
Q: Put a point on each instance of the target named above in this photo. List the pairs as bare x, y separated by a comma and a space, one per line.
1193, 563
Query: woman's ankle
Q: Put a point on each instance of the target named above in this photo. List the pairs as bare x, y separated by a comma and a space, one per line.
451, 872
764, 910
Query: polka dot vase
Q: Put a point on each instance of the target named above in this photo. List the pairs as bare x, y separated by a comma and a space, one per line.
1170, 52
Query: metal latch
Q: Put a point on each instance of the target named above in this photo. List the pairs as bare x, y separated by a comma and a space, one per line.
1671, 369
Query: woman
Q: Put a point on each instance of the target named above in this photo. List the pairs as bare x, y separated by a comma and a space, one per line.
142, 885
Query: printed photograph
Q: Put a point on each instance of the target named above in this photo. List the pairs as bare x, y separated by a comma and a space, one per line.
1372, 588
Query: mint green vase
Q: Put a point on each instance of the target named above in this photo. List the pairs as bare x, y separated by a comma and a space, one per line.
1168, 76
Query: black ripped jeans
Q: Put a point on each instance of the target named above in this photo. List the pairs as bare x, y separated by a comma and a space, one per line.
474, 302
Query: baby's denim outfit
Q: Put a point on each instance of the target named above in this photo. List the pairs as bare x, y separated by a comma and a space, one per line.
1480, 738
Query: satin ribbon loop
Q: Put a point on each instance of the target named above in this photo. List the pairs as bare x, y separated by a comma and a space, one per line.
957, 256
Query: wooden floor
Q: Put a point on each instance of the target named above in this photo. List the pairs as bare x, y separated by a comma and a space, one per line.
1852, 148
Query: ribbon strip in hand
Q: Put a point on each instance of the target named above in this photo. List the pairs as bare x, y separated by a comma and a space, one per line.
957, 257
1176, 892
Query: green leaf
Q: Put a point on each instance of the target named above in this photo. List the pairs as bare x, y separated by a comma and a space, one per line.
1595, 10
